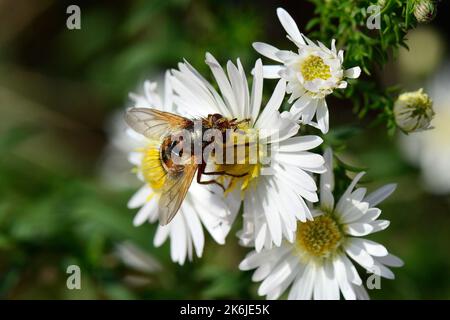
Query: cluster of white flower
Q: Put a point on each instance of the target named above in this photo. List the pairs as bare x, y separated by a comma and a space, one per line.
301, 238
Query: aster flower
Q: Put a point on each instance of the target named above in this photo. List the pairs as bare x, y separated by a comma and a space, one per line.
273, 203
318, 264
203, 205
312, 73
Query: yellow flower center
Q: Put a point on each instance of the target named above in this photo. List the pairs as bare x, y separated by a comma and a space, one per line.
319, 238
314, 67
151, 167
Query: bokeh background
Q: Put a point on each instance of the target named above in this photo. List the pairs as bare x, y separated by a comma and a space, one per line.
65, 182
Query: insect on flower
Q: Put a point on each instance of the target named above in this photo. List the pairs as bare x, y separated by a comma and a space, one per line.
183, 151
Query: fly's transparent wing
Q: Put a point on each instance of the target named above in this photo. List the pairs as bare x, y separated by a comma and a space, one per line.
153, 123
174, 191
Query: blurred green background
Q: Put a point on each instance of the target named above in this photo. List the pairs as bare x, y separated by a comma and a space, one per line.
64, 185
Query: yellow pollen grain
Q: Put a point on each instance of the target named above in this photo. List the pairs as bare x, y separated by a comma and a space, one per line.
314, 67
320, 237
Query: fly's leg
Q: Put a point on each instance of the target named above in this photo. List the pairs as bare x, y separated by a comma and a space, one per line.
201, 171
224, 173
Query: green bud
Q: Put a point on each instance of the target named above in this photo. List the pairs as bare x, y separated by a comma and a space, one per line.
425, 10
413, 111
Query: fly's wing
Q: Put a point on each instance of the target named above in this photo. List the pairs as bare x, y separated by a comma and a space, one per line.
153, 123
174, 191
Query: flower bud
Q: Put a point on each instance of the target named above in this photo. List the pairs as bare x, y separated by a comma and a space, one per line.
413, 111
425, 10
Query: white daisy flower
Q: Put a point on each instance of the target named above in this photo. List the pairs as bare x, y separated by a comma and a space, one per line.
272, 203
202, 205
317, 265
311, 74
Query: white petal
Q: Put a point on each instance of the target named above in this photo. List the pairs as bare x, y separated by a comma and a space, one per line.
345, 197
146, 212
161, 235
257, 90
379, 225
140, 197
358, 229
381, 270
272, 71
254, 259
238, 90
266, 50
178, 239
359, 255
273, 105
304, 284
380, 194
320, 290
352, 273
301, 143
303, 159
282, 271
361, 293
290, 26
372, 247
278, 291
330, 282
352, 73
299, 106
309, 112
353, 210
275, 256
391, 260
194, 227
287, 56
327, 182
322, 116
222, 82
341, 276
272, 218
370, 215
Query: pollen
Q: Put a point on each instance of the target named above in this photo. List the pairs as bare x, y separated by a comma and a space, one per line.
314, 67
152, 168
319, 238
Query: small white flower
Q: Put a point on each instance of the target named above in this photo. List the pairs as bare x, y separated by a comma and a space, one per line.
318, 264
202, 205
312, 73
430, 149
272, 203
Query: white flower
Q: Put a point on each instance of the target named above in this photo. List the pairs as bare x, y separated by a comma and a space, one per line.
430, 150
317, 265
272, 203
202, 205
312, 73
